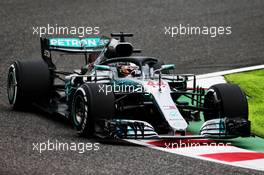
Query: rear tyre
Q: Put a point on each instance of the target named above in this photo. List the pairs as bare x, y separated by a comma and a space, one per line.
226, 100
27, 81
89, 105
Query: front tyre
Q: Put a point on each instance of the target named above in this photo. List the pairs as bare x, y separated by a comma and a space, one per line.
90, 105
225, 100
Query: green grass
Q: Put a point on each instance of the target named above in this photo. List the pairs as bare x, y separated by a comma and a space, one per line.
253, 84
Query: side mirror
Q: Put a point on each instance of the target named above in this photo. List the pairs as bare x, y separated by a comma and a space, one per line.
164, 67
102, 67
167, 67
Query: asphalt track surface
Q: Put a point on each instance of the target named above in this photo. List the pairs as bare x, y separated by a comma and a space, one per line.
192, 54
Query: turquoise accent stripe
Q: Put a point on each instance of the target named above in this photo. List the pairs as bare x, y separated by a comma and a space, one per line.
126, 82
78, 43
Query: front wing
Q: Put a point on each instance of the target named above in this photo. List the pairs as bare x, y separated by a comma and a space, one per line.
223, 128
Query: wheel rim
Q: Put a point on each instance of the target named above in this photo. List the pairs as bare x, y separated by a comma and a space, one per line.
79, 110
12, 86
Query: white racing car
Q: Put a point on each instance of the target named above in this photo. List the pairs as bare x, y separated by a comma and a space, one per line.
119, 95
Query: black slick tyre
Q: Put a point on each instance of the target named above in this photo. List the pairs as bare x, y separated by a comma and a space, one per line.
226, 100
90, 105
27, 81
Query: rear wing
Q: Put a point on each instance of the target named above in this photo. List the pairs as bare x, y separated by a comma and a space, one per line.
71, 45
74, 44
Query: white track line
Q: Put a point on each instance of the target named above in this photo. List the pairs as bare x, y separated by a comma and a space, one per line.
209, 79
221, 73
207, 82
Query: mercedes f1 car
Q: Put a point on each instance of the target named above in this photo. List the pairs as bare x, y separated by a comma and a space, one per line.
116, 94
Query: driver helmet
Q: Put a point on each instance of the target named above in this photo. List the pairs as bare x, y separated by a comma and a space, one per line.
126, 69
